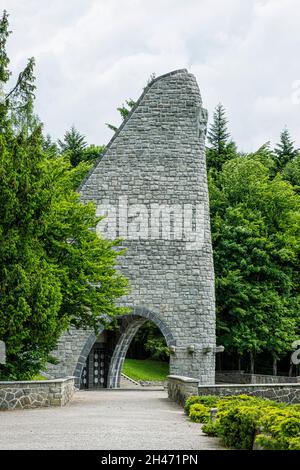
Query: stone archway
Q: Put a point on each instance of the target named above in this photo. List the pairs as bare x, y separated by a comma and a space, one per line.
152, 181
129, 329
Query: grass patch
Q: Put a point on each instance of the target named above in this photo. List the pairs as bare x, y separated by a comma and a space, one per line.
146, 369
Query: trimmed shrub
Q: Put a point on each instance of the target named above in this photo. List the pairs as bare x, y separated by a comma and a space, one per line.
210, 401
199, 413
211, 428
242, 419
282, 427
237, 426
294, 443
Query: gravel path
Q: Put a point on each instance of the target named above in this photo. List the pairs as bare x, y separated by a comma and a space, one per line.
109, 419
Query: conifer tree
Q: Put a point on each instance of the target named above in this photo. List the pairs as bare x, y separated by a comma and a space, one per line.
50, 147
221, 148
73, 146
285, 150
55, 271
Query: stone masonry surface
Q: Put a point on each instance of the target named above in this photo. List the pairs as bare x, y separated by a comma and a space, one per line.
236, 377
157, 157
36, 394
180, 388
286, 393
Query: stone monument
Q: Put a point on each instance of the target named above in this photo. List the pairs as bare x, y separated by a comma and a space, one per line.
151, 182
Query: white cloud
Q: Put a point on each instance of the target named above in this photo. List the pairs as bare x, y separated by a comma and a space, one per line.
93, 54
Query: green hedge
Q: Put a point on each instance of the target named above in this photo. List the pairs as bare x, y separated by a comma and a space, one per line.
210, 401
242, 420
199, 413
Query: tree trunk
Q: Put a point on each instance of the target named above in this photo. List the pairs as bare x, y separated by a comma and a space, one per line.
252, 362
219, 362
291, 369
239, 362
274, 365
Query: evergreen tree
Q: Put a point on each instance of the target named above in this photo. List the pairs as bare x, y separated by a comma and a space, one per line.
50, 147
93, 152
73, 146
285, 150
54, 270
221, 147
291, 172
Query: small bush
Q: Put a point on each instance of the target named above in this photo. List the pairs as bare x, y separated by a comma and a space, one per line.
210, 401
294, 443
267, 442
237, 426
199, 413
240, 418
211, 428
282, 426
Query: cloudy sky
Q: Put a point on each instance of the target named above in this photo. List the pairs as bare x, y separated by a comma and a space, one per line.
93, 54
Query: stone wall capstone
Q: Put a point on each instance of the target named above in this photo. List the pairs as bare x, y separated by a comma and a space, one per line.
180, 388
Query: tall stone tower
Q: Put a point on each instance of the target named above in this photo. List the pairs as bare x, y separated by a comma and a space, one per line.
152, 183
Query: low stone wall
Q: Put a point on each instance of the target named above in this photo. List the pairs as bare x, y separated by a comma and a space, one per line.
180, 388
36, 394
285, 393
237, 377
153, 383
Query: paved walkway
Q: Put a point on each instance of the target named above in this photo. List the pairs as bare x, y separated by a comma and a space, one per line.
109, 419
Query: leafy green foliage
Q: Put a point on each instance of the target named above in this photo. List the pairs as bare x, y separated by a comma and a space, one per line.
49, 147
243, 420
92, 153
280, 429
149, 342
54, 270
73, 146
199, 413
291, 172
237, 426
255, 231
123, 110
210, 401
75, 149
157, 348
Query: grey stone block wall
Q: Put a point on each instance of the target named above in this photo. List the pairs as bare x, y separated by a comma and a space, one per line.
72, 351
235, 377
157, 157
180, 388
36, 394
286, 393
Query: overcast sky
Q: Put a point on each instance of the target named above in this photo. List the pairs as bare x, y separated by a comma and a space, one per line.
93, 54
